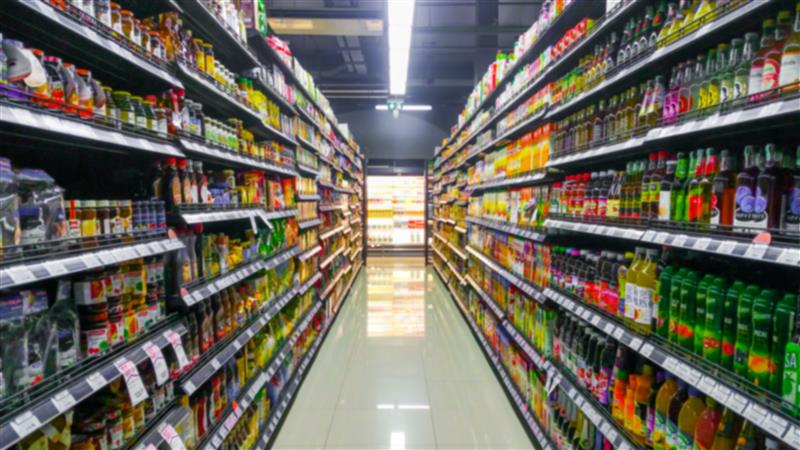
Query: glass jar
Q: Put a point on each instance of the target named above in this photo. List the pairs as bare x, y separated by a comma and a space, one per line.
136, 32
127, 115
103, 218
144, 37
150, 114
112, 112
102, 12
126, 24
197, 110
156, 46
88, 218
113, 217
116, 18
138, 111
126, 214
159, 115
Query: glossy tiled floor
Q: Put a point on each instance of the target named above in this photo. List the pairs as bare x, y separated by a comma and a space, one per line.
400, 370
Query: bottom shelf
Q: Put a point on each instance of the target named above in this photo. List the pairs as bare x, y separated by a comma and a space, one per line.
530, 424
278, 413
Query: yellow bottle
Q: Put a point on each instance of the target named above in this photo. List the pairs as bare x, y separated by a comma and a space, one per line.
665, 393
646, 286
688, 417
632, 287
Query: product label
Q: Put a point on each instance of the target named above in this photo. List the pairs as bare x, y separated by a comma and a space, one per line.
791, 210
94, 342
91, 292
790, 68
745, 206
643, 312
726, 90
685, 441
660, 432
770, 74
754, 82
758, 216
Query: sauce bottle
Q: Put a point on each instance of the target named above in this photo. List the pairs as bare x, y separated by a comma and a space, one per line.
723, 188
745, 189
767, 206
754, 85
744, 324
172, 184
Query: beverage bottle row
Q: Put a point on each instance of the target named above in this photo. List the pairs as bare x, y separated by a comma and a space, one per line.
756, 189
750, 67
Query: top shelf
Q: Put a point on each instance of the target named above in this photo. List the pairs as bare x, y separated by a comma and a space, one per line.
234, 52
41, 25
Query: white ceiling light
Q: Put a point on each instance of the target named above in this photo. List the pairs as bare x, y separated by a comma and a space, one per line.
401, 20
406, 107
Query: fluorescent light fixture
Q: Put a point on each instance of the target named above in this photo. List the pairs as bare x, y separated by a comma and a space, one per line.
405, 108
384, 406
413, 406
401, 21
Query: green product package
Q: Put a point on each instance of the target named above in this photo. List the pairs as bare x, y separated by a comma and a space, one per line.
729, 323
688, 310
663, 289
782, 330
675, 303
712, 331
744, 322
791, 377
759, 358
700, 312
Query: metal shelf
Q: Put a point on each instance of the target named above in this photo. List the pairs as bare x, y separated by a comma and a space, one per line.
529, 289
332, 284
222, 352
225, 155
325, 262
455, 249
508, 228
233, 52
308, 170
40, 124
525, 180
332, 232
26, 271
193, 295
689, 240
192, 214
38, 412
309, 223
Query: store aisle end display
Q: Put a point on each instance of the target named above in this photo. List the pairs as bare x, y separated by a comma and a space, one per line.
396, 212
162, 283
615, 214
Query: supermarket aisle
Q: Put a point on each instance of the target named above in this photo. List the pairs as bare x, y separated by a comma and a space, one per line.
400, 370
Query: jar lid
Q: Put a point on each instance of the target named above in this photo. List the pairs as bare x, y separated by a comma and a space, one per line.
125, 93
126, 13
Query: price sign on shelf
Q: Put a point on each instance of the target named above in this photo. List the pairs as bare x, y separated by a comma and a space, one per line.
171, 437
25, 424
159, 363
96, 381
133, 380
63, 401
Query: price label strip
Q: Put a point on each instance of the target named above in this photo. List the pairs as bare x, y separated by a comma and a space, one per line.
159, 363
133, 381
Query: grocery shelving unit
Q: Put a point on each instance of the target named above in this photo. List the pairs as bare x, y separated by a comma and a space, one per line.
484, 210
322, 255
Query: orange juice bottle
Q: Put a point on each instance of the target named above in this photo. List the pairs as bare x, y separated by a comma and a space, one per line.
644, 388
665, 393
688, 418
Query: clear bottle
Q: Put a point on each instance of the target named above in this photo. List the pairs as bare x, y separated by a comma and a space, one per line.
790, 58
770, 74
741, 80
727, 72
754, 85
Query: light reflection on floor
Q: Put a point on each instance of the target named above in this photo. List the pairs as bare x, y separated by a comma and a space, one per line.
395, 298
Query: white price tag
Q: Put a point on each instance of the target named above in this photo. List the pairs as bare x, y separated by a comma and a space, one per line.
55, 268
133, 380
177, 345
708, 385
702, 243
756, 251
755, 414
25, 424
20, 274
90, 260
609, 328
680, 240
789, 256
737, 403
721, 394
63, 401
96, 381
595, 320
159, 363
171, 437
726, 247
671, 364
649, 235
635, 343
660, 237
793, 437
618, 333
107, 257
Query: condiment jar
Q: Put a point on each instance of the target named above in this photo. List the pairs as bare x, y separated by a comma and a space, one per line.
145, 38
138, 110
126, 215
136, 32
127, 115
112, 112
150, 115
104, 217
156, 46
88, 218
102, 12
116, 18
127, 24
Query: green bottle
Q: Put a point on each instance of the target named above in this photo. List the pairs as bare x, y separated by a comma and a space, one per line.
729, 324
791, 377
664, 304
759, 358
675, 303
700, 312
678, 190
744, 321
782, 330
688, 311
712, 332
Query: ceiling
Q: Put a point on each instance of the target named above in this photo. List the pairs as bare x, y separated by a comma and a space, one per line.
453, 43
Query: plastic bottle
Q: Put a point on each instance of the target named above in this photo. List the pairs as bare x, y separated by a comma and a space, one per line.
754, 85
713, 329
644, 386
783, 328
728, 430
693, 197
790, 56
730, 305
744, 323
688, 296
632, 288
750, 438
759, 361
688, 417
663, 397
705, 430
675, 303
678, 191
676, 402
700, 313
745, 190
770, 75
646, 284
